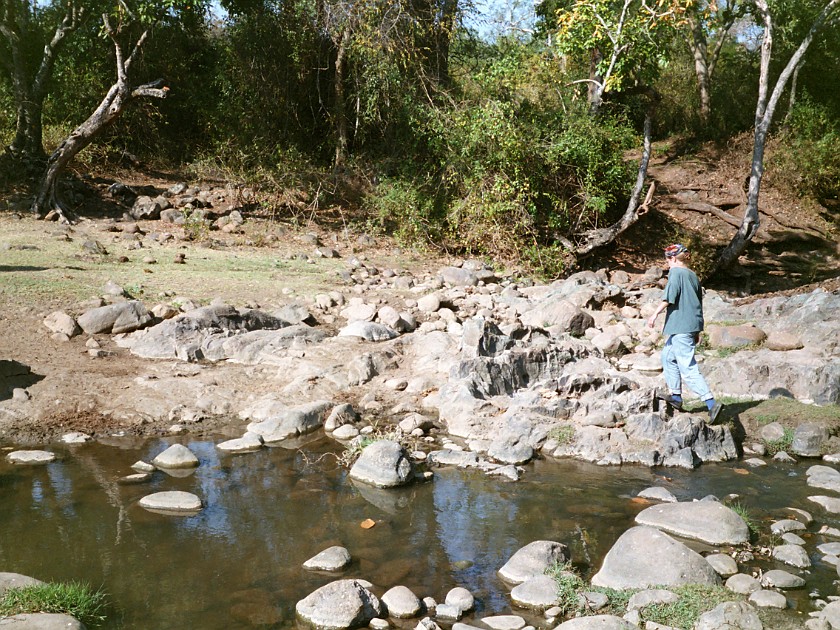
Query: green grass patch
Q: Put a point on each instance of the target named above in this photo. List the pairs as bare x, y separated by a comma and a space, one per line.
70, 598
570, 586
564, 433
38, 267
694, 600
744, 513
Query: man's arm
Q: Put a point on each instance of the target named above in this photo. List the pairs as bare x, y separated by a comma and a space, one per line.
652, 319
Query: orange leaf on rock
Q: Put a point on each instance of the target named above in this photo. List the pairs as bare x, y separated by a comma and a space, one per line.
367, 523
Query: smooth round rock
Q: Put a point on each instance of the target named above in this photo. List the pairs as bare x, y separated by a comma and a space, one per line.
333, 558
538, 593
345, 432
461, 598
743, 584
141, 466
768, 599
645, 598
792, 539
171, 501
176, 456
724, 565
340, 604
402, 603
793, 555
30, 458
786, 525
777, 578
533, 559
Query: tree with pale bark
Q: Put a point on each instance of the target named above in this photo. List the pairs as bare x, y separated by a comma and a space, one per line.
127, 30
708, 26
33, 34
827, 15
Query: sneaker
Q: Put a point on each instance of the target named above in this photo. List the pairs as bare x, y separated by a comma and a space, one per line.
714, 412
676, 404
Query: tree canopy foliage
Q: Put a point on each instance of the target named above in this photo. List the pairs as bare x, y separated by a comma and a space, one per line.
511, 146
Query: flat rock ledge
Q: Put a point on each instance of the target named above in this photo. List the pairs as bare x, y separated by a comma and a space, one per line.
340, 605
706, 521
248, 443
174, 501
41, 621
31, 458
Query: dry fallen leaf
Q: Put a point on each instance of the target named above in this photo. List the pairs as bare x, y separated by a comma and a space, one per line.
367, 523
641, 500
741, 471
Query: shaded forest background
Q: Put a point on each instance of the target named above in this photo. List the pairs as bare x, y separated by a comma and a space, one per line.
493, 144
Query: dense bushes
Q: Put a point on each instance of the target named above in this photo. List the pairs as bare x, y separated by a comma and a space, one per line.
806, 156
506, 171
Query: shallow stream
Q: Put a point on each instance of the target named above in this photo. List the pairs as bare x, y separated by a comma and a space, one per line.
237, 564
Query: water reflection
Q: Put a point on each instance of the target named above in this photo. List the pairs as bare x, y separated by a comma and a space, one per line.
237, 563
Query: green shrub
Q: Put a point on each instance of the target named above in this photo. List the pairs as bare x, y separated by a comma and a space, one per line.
806, 157
71, 598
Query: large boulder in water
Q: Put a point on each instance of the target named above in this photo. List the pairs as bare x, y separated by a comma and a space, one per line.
533, 559
383, 464
707, 521
340, 605
274, 421
644, 557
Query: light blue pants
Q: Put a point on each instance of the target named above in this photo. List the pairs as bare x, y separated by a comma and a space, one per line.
679, 366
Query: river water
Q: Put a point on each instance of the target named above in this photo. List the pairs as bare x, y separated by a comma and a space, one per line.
237, 564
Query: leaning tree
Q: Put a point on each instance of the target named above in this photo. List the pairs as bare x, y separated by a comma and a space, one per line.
829, 15
625, 37
128, 30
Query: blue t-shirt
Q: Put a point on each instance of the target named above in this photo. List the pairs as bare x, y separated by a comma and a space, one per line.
685, 302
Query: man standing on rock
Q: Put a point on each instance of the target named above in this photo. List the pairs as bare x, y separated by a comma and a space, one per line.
683, 300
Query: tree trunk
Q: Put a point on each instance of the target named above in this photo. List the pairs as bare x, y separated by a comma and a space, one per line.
604, 236
701, 70
595, 89
48, 201
764, 111
340, 106
30, 89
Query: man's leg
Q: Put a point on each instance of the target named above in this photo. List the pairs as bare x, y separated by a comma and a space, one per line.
671, 370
